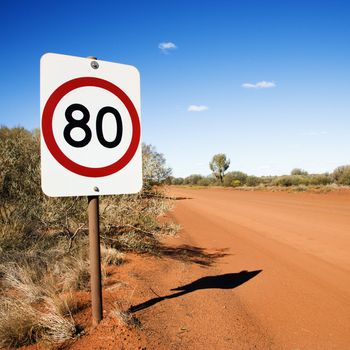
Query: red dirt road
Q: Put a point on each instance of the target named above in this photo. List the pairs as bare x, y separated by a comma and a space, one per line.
248, 270
300, 299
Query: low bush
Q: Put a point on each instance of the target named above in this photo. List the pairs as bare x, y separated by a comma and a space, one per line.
341, 175
204, 182
304, 180
236, 183
298, 171
193, 179
299, 178
177, 181
252, 181
233, 176
288, 180
319, 179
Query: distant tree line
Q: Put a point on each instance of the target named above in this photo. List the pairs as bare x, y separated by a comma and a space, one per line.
297, 177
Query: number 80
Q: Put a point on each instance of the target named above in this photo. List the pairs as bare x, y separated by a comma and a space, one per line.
82, 124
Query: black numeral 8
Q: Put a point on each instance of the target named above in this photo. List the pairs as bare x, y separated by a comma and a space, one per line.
74, 123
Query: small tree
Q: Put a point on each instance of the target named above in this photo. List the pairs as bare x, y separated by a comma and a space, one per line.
218, 165
155, 171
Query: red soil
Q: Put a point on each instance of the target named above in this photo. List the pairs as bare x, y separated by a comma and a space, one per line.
293, 293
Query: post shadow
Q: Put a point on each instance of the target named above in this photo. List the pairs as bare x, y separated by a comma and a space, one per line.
225, 281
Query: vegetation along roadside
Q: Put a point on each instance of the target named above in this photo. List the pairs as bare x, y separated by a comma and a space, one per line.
44, 241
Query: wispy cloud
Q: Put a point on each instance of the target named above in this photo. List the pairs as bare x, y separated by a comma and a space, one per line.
197, 108
167, 46
259, 85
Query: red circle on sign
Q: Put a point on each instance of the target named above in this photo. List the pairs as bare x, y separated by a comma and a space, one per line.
47, 118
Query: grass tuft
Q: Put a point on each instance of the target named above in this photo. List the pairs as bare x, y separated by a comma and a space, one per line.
18, 323
77, 276
22, 323
125, 317
111, 256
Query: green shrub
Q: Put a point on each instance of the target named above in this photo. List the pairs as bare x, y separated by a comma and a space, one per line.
341, 175
268, 180
19, 177
252, 181
235, 175
192, 179
236, 183
319, 179
298, 171
302, 180
204, 182
177, 181
22, 203
288, 180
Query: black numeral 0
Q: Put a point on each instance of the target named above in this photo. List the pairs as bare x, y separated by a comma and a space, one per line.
99, 131
74, 123
82, 123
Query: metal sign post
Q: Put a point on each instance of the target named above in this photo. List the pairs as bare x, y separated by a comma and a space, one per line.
95, 259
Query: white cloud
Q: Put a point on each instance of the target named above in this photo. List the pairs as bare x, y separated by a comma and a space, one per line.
259, 85
197, 108
166, 46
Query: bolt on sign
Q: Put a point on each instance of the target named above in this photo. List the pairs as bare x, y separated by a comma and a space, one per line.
90, 127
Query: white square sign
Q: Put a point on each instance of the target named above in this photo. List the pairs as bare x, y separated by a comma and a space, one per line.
90, 127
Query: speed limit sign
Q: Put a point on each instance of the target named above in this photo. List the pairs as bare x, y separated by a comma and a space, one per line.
90, 127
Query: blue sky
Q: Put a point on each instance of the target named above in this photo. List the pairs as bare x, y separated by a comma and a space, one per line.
268, 81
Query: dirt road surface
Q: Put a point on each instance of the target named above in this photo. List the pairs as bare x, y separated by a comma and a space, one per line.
277, 274
248, 270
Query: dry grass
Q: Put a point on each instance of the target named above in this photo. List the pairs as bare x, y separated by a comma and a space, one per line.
21, 323
64, 304
32, 308
125, 317
32, 305
22, 279
18, 323
55, 328
132, 242
111, 256
170, 229
76, 276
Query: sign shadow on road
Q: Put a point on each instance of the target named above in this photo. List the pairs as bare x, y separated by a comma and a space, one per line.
225, 281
